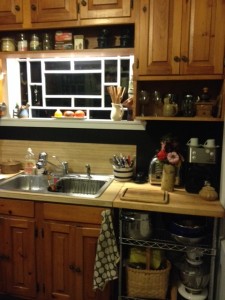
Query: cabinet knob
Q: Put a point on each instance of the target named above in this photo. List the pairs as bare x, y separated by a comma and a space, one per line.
184, 58
17, 7
75, 269
83, 2
176, 58
144, 9
33, 7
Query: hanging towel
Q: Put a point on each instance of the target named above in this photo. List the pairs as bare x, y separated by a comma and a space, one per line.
107, 255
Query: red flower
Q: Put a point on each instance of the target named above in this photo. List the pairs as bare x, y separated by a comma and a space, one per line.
162, 155
173, 158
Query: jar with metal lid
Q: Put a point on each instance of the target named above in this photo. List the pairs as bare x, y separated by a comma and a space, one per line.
7, 44
34, 43
47, 45
22, 42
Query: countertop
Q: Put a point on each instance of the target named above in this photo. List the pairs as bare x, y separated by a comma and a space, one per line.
143, 197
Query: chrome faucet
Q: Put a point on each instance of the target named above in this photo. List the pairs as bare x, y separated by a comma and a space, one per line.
88, 170
43, 161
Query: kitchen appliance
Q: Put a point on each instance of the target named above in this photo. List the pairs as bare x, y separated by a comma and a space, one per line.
155, 172
201, 167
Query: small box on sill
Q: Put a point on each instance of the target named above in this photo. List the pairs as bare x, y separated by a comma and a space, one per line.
78, 42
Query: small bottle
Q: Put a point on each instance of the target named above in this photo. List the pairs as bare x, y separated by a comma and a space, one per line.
34, 43
22, 42
47, 45
205, 96
30, 163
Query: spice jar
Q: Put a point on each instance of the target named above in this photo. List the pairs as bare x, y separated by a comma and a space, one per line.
7, 44
47, 45
34, 43
22, 42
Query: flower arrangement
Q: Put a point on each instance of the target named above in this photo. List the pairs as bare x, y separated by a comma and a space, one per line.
170, 153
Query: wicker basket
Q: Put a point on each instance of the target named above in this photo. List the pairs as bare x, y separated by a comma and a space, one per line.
151, 284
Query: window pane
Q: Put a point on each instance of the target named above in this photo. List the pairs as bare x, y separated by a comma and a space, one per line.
35, 67
88, 102
73, 84
87, 65
63, 102
57, 65
110, 71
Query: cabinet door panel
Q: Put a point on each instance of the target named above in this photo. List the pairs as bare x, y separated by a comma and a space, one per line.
159, 35
53, 10
93, 9
59, 261
20, 257
203, 37
11, 11
86, 243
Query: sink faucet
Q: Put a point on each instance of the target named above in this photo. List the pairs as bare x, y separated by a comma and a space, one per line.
43, 161
88, 170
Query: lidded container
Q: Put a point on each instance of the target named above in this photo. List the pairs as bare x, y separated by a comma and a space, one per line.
34, 43
22, 44
7, 44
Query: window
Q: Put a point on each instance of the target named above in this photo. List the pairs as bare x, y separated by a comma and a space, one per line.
48, 84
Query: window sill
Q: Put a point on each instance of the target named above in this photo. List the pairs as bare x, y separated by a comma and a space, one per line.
74, 123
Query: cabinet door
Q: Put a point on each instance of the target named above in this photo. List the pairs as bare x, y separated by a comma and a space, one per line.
11, 12
53, 10
59, 261
202, 43
94, 9
19, 252
158, 37
86, 243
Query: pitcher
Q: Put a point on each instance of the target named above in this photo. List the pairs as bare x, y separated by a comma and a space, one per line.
117, 112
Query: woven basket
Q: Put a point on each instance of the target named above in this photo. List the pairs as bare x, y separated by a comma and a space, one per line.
151, 284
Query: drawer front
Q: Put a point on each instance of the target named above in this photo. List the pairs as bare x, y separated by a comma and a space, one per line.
73, 213
14, 207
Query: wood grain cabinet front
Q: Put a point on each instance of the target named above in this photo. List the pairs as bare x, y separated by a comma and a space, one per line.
180, 37
11, 12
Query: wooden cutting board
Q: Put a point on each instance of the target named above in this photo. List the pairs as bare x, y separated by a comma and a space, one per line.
142, 195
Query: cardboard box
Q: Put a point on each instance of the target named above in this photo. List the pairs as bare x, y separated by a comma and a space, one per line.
78, 42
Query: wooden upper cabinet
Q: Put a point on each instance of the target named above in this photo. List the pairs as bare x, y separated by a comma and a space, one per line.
11, 12
53, 10
95, 9
180, 37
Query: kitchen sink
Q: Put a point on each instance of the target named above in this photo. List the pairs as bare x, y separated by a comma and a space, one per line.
80, 185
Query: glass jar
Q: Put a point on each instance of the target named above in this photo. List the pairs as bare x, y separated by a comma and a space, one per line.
22, 42
34, 43
47, 45
188, 106
7, 44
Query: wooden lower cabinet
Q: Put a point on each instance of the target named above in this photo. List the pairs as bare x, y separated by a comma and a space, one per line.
45, 258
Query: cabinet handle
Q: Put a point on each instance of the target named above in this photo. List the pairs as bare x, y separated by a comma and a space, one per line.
184, 58
75, 269
83, 2
17, 8
176, 58
144, 9
33, 7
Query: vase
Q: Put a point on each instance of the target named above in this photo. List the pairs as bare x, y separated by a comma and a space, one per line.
168, 177
117, 112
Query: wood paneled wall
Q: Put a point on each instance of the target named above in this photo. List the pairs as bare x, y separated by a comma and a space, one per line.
77, 154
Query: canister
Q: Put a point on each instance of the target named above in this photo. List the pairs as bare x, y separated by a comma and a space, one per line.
7, 44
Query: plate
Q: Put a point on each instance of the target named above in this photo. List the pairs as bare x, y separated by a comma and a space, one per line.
69, 118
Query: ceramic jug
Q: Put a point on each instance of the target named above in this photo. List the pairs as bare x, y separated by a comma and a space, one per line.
169, 109
117, 112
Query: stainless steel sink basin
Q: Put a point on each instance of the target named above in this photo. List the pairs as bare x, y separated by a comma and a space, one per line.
82, 185
26, 183
73, 184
